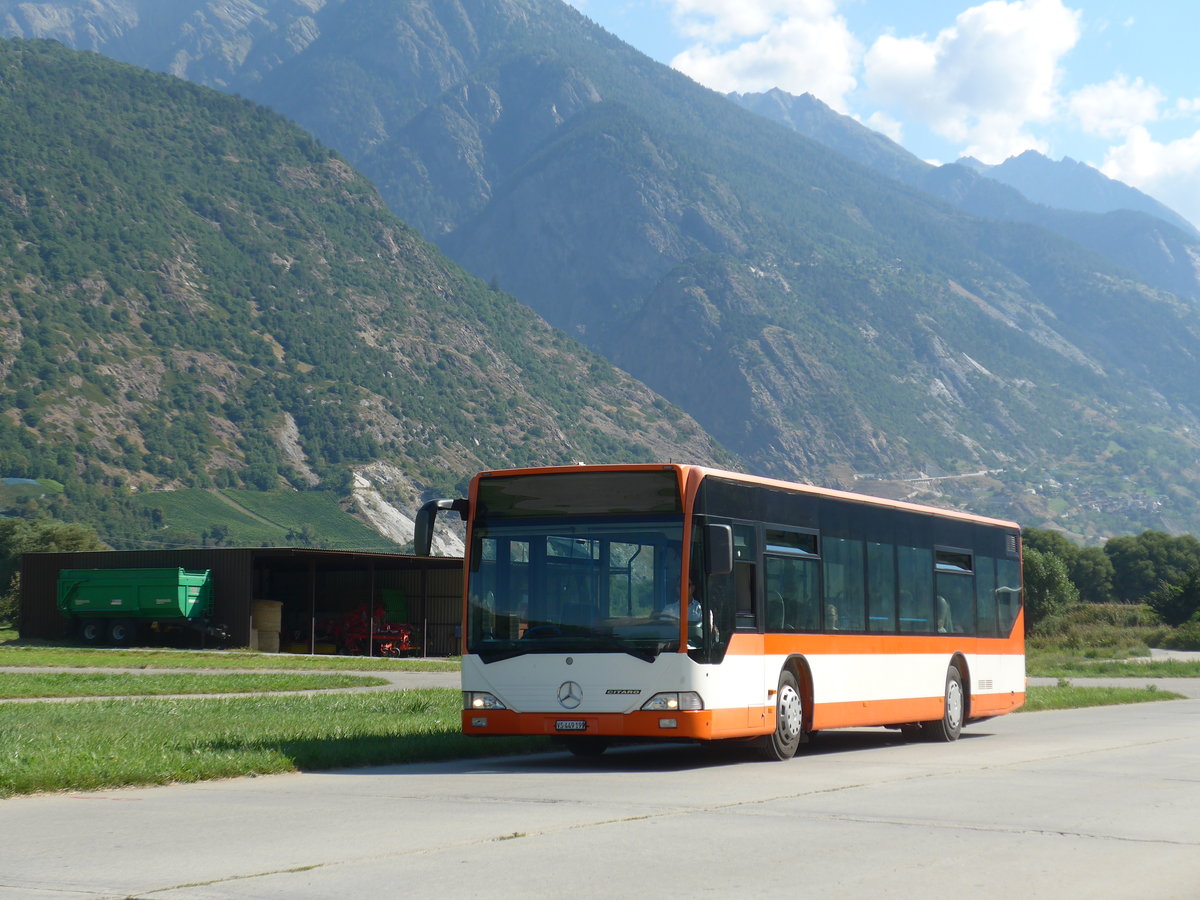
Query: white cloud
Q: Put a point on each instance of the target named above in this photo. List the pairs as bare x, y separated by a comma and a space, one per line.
886, 125
1169, 172
717, 22
982, 81
1114, 108
754, 45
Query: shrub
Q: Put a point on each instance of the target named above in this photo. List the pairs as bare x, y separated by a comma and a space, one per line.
10, 603
1048, 590
1185, 637
1115, 628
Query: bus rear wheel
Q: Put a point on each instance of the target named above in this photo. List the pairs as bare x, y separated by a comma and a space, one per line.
782, 743
949, 726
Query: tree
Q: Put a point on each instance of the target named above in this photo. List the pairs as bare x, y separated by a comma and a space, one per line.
218, 534
19, 536
1089, 568
10, 602
1143, 563
1092, 573
306, 536
1045, 541
1048, 589
1179, 602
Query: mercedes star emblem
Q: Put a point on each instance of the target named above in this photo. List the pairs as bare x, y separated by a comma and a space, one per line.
570, 695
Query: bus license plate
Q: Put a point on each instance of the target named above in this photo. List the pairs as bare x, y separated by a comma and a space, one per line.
570, 725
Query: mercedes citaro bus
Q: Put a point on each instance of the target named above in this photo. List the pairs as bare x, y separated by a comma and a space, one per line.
633, 602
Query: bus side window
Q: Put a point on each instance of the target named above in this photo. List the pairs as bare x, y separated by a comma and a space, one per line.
793, 594
1008, 594
915, 566
955, 574
744, 593
881, 586
844, 579
745, 558
985, 577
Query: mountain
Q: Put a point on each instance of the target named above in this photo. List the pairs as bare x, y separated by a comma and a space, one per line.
1153, 243
195, 293
819, 319
1070, 184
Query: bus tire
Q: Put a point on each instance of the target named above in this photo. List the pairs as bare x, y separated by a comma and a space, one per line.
949, 726
781, 744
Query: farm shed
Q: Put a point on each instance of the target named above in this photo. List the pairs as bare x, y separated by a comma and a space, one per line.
317, 589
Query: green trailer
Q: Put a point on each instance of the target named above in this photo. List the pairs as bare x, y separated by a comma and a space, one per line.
116, 604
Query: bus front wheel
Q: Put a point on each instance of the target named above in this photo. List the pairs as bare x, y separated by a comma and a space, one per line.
789, 720
949, 726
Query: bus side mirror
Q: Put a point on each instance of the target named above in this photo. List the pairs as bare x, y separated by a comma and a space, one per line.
427, 516
718, 549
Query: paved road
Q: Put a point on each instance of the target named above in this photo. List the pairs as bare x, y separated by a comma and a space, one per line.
1083, 803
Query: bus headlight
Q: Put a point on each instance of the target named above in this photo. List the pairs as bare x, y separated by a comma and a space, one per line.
671, 701
481, 700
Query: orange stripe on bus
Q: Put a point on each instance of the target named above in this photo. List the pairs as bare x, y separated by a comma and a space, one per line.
748, 644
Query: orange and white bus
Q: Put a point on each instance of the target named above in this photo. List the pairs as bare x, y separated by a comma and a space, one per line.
609, 603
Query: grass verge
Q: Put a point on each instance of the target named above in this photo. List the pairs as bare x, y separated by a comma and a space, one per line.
87, 657
117, 743
1066, 696
27, 685
1058, 664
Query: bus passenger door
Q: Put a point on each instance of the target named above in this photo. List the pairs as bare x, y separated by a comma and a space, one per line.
737, 644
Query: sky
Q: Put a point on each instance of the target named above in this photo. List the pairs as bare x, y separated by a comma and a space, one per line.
1111, 83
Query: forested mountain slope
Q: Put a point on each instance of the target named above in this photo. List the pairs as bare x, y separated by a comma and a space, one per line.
819, 319
194, 292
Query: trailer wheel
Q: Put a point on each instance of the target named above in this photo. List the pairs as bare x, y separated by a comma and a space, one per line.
122, 632
91, 630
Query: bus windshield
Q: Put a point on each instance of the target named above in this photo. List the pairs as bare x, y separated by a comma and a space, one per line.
574, 585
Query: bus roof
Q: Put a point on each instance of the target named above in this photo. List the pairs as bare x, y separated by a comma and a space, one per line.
694, 474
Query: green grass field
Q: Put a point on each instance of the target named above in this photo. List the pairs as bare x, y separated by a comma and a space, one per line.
1057, 664
114, 743
264, 518
1067, 696
27, 685
100, 657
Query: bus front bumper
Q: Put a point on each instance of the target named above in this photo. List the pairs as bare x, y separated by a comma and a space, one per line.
677, 724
